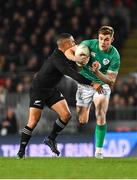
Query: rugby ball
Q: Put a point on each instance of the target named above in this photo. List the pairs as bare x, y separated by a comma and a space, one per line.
82, 50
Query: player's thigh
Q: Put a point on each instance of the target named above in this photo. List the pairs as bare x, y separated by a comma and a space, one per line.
101, 101
101, 107
84, 95
84, 98
62, 109
34, 116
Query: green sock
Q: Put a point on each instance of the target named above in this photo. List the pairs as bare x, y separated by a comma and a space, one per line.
100, 132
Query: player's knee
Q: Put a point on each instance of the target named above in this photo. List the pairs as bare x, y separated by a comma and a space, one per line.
101, 122
83, 120
101, 117
100, 114
66, 116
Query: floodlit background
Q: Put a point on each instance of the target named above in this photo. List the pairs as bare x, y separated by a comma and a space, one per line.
27, 32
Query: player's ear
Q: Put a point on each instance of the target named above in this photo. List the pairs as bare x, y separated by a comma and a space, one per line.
112, 39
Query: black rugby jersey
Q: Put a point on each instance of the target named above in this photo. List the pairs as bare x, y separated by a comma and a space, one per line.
52, 71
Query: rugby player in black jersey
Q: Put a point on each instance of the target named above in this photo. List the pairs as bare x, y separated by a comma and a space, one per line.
43, 91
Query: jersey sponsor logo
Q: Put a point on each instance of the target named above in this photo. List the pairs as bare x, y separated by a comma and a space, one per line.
37, 102
93, 54
106, 61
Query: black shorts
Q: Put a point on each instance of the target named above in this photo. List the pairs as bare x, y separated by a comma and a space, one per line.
40, 98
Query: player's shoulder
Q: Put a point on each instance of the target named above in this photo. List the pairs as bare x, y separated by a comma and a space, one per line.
114, 52
56, 54
89, 42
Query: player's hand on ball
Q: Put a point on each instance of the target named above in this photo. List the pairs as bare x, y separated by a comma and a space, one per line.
82, 59
85, 59
82, 54
95, 66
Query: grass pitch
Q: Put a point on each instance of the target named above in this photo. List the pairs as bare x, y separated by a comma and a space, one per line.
68, 168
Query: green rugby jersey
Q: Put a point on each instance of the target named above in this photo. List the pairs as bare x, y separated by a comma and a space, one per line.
109, 61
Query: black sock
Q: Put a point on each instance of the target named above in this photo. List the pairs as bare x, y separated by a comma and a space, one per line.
59, 125
25, 137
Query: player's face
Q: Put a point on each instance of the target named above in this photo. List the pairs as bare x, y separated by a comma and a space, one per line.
105, 42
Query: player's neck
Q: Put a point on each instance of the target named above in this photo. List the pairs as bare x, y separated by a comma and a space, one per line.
105, 51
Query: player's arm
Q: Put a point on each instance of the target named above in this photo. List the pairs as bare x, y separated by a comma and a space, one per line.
80, 60
70, 53
108, 78
63, 66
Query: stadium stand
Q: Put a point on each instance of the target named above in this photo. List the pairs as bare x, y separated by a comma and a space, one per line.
129, 54
27, 32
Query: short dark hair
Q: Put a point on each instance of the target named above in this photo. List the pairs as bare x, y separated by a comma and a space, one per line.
105, 30
62, 36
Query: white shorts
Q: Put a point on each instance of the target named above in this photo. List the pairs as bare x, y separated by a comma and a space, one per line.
85, 94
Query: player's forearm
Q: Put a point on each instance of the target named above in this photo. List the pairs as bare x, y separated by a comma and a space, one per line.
76, 76
105, 78
70, 54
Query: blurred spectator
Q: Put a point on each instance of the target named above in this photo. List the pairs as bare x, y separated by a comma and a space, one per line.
2, 94
32, 64
9, 124
2, 63
20, 88
28, 30
26, 81
9, 85
124, 92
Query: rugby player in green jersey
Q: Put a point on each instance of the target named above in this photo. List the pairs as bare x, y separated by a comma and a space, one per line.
102, 68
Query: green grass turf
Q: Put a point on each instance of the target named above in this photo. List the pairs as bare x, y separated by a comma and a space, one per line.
71, 168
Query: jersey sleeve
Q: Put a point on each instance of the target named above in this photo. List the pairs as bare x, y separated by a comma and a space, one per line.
86, 42
64, 67
89, 43
115, 64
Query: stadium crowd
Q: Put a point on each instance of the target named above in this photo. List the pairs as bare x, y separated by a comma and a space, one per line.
28, 29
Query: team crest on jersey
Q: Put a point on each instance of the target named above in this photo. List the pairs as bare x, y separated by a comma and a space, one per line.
93, 54
106, 61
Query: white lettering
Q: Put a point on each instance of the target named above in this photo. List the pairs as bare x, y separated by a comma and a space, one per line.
9, 150
117, 148
79, 150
